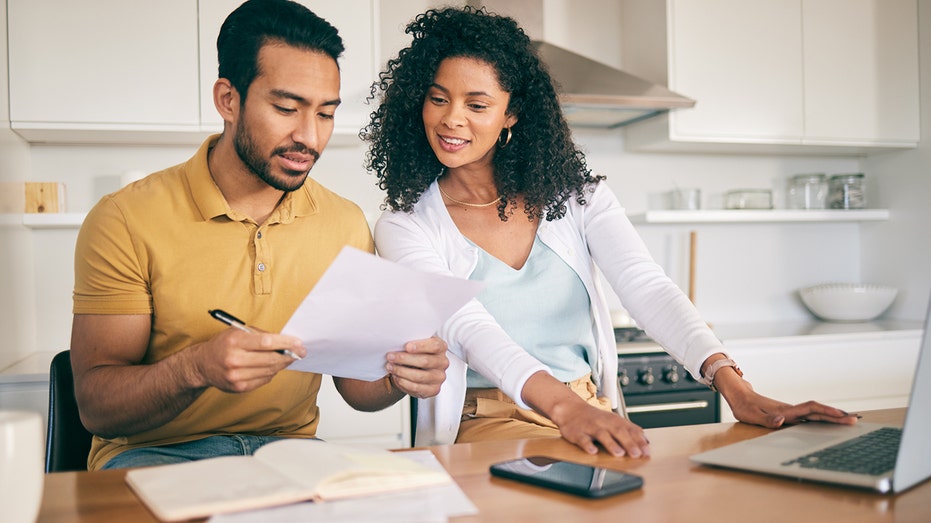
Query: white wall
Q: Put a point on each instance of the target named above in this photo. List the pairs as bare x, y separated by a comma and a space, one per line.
744, 272
900, 250
17, 297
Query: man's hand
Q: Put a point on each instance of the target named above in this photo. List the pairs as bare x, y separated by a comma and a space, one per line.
118, 395
420, 369
238, 361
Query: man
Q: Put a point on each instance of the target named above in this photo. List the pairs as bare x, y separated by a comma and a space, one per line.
239, 227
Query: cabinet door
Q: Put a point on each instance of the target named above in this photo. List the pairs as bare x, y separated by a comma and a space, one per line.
387, 428
741, 61
853, 373
103, 63
861, 71
355, 21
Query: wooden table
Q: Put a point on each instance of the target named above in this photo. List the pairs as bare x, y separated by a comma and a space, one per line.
674, 489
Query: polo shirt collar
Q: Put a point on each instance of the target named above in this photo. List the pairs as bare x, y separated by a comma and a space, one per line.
211, 203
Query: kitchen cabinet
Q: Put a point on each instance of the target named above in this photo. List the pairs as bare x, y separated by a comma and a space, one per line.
82, 71
388, 428
803, 76
853, 367
89, 72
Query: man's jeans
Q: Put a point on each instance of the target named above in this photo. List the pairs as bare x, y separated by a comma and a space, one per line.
211, 447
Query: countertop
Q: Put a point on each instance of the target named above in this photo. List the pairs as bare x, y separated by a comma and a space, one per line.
786, 330
34, 367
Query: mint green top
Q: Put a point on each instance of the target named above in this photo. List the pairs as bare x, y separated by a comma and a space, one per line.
543, 307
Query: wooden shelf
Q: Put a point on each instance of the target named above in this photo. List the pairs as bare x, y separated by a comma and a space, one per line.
63, 220
142, 134
760, 216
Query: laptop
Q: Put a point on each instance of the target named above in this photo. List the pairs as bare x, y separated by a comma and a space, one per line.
818, 451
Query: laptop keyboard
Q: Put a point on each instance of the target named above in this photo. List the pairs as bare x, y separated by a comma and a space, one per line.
873, 453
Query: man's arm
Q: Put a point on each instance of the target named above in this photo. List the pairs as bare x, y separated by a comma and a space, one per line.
419, 370
117, 395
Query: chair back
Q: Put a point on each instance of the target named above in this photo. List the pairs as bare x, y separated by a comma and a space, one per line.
67, 443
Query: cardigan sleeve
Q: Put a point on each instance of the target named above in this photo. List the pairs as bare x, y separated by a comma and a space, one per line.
472, 334
657, 304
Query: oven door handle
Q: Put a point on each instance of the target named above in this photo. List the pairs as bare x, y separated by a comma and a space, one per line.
666, 407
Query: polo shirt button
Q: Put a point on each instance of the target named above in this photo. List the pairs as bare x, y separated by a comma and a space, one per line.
259, 235
261, 267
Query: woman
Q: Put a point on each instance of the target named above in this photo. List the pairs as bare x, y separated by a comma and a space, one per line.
483, 181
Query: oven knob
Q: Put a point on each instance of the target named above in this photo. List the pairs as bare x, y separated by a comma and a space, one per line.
623, 379
646, 377
671, 375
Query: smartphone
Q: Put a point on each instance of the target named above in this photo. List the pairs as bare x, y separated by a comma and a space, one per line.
575, 478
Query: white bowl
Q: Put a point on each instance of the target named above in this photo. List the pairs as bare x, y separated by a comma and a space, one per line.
848, 301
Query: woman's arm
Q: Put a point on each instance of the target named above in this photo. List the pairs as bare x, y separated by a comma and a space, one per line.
750, 407
472, 333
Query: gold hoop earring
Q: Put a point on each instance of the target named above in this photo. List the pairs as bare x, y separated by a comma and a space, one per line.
507, 139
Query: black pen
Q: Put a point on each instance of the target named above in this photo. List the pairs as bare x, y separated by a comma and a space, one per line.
236, 323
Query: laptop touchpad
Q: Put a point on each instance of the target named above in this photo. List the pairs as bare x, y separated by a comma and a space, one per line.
797, 440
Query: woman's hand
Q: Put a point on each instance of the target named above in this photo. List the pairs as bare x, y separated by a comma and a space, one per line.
750, 407
585, 425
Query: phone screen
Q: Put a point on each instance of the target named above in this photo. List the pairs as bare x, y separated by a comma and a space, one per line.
566, 476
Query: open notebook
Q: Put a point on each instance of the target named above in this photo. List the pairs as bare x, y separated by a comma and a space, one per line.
846, 455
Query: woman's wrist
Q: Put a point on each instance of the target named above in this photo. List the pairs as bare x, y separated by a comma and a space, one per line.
550, 397
731, 384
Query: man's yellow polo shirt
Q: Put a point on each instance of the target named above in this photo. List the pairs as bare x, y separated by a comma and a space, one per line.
170, 246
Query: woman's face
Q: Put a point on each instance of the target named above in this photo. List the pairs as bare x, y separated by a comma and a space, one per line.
464, 112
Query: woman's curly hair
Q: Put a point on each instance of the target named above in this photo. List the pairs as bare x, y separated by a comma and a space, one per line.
541, 162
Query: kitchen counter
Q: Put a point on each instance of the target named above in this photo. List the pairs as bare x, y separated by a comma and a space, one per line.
32, 367
880, 328
852, 366
778, 332
24, 385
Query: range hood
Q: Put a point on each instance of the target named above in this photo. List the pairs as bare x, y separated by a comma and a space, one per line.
594, 94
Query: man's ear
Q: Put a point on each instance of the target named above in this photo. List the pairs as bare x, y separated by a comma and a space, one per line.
226, 100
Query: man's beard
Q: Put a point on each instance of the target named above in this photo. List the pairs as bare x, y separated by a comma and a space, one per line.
249, 154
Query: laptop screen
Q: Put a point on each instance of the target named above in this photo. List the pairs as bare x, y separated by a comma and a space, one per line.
914, 461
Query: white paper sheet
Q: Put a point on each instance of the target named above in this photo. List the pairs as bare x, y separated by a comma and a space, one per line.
425, 505
364, 307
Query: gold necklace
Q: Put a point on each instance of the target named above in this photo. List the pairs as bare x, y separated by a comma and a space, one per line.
467, 204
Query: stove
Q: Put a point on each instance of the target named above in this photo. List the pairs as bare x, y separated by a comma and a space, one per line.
658, 391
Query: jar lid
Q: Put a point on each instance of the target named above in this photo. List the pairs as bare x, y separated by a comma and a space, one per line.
847, 176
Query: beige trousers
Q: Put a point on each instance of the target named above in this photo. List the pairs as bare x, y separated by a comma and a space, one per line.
489, 414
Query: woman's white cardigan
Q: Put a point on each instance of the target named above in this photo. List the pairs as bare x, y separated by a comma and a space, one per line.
596, 234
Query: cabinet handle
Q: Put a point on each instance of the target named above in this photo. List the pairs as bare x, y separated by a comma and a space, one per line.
664, 407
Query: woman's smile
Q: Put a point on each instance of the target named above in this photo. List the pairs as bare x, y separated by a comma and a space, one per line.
464, 111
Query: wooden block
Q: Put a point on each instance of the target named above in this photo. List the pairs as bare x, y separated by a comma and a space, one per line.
45, 197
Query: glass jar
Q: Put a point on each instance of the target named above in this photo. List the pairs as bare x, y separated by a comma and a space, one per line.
808, 191
748, 199
846, 191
